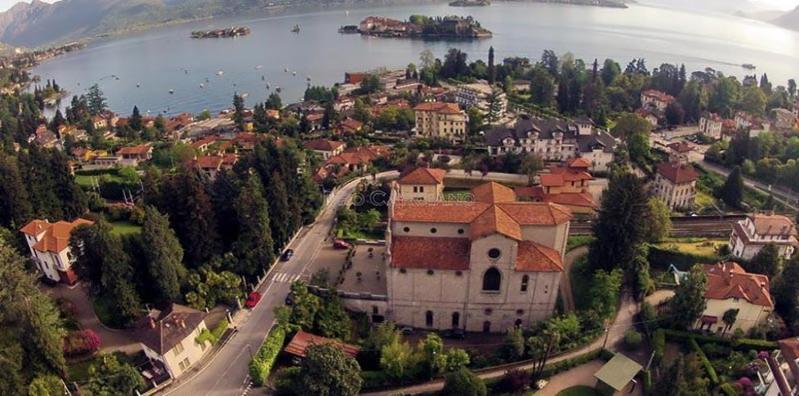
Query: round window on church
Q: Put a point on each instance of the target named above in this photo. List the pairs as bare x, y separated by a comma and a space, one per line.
494, 253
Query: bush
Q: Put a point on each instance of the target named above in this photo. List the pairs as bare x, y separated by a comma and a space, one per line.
646, 377
742, 344
214, 334
286, 380
659, 344
463, 383
632, 339
261, 364
711, 372
728, 390
514, 381
81, 342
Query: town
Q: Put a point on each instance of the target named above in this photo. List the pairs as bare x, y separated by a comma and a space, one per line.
458, 227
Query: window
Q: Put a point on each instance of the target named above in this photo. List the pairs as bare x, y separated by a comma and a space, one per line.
430, 272
518, 323
458, 273
184, 364
433, 230
494, 253
488, 311
421, 189
406, 229
178, 349
403, 270
519, 312
460, 230
428, 318
456, 320
491, 280
525, 282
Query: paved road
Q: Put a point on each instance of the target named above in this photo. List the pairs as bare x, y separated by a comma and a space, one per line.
227, 372
786, 197
624, 320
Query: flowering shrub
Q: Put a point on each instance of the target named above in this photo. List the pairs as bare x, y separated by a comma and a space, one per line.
81, 342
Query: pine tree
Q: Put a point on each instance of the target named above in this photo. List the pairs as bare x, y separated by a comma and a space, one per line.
254, 246
224, 192
192, 216
733, 189
786, 294
135, 121
96, 103
689, 302
238, 110
766, 261
492, 72
279, 211
71, 197
164, 256
15, 204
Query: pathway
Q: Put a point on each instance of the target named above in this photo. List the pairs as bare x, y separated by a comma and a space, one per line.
112, 339
624, 320
566, 285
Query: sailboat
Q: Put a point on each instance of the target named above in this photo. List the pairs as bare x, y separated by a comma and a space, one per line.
295, 29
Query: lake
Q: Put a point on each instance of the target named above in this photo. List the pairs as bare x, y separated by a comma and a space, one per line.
166, 59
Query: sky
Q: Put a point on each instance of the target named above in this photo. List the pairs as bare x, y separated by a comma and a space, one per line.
765, 4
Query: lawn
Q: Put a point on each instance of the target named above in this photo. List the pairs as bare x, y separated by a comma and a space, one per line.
579, 390
576, 241
694, 246
79, 371
123, 228
87, 179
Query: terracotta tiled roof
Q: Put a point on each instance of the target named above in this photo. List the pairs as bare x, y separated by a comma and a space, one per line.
677, 173
439, 107
423, 176
680, 147
790, 348
532, 193
659, 95
302, 340
578, 163
572, 199
348, 159
535, 257
571, 174
430, 253
438, 212
495, 221
492, 192
56, 235
161, 331
141, 149
537, 213
728, 280
773, 225
323, 145
351, 124
552, 180
209, 161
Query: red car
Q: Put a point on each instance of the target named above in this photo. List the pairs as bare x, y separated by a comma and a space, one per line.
252, 300
339, 244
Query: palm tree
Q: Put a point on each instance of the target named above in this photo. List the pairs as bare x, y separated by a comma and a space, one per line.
729, 318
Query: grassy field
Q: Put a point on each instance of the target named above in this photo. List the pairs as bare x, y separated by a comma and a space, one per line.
86, 180
123, 228
695, 246
576, 241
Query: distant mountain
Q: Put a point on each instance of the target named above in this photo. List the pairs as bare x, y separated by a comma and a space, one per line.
789, 20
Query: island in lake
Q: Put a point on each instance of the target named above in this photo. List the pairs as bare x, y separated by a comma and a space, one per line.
234, 31
470, 3
420, 26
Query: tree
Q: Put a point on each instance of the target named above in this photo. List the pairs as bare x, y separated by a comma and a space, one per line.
453, 360
635, 131
15, 205
610, 71
786, 294
542, 87
495, 105
397, 359
304, 307
514, 345
254, 246
792, 88
766, 261
238, 110
113, 377
733, 189
370, 84
620, 224
135, 120
675, 114
164, 256
729, 318
550, 62
331, 318
463, 383
210, 287
658, 226
454, 65
754, 100
46, 385
96, 101
532, 163
492, 72
689, 302
273, 102
327, 371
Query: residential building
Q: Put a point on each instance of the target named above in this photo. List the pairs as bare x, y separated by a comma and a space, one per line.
731, 289
784, 119
782, 376
479, 95
133, 155
212, 165
49, 247
441, 120
711, 125
349, 125
169, 337
422, 184
757, 230
654, 100
326, 148
649, 116
675, 184
564, 185
483, 265
554, 140
755, 125
99, 122
679, 152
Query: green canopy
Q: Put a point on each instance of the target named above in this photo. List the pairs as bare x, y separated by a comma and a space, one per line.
618, 372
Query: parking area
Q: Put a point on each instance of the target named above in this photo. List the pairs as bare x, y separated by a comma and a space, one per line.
366, 274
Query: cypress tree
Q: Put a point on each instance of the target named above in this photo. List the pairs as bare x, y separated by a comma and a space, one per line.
164, 256
15, 205
254, 247
733, 189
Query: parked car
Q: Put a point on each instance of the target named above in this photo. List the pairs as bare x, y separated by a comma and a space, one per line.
289, 299
287, 255
339, 244
457, 334
252, 300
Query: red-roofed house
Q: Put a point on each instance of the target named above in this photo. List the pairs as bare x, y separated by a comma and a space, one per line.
301, 341
731, 288
133, 155
49, 247
564, 185
211, 165
711, 125
482, 265
675, 184
757, 230
422, 184
441, 120
652, 99
325, 147
349, 125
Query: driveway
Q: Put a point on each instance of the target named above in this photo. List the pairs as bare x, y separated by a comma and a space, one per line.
112, 339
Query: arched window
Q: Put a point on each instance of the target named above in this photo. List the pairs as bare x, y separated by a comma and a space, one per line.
525, 282
491, 280
456, 320
518, 323
428, 318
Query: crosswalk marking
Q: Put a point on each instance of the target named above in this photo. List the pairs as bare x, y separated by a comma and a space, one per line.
287, 278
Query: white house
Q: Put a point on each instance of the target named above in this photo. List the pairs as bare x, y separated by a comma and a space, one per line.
758, 230
49, 248
740, 295
170, 337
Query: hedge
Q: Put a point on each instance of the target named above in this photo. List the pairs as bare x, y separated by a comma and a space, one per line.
261, 364
213, 335
660, 258
728, 390
741, 344
711, 372
646, 378
659, 344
